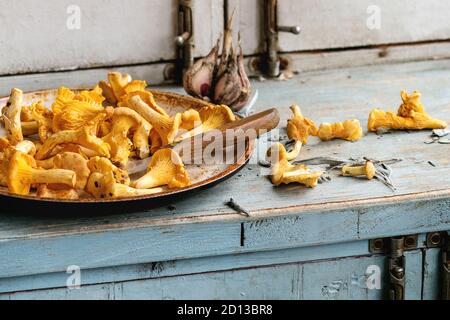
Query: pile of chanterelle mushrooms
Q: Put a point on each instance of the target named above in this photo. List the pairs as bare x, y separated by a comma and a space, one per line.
80, 147
411, 115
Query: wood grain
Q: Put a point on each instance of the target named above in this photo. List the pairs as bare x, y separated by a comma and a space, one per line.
341, 211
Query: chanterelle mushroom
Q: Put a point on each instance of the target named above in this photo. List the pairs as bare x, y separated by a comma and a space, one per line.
299, 129
104, 166
212, 117
166, 126
165, 168
124, 120
82, 136
104, 186
75, 162
348, 130
39, 113
11, 116
284, 173
73, 111
368, 170
410, 116
22, 174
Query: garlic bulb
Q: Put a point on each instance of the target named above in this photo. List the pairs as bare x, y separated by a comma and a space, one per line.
221, 81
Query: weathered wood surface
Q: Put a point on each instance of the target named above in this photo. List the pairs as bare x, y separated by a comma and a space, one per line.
331, 279
291, 216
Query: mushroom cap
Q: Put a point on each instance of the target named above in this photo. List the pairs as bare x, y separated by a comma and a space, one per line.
75, 162
190, 119
19, 181
410, 103
118, 82
72, 112
105, 166
353, 130
147, 97
370, 170
214, 116
348, 130
165, 168
100, 185
300, 128
284, 172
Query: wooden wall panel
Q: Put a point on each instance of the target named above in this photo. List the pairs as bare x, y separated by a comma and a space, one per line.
342, 24
35, 37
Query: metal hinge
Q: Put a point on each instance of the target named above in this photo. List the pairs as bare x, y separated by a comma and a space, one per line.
397, 269
185, 38
271, 65
382, 245
395, 248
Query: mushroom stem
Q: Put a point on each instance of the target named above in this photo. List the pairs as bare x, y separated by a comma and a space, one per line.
166, 126
53, 176
367, 170
353, 171
295, 151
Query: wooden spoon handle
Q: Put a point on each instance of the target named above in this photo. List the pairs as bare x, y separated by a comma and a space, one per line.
252, 127
261, 122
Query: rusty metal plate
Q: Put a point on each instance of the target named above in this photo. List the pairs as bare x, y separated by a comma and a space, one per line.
201, 176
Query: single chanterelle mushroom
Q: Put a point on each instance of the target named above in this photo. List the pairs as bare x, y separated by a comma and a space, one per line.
367, 170
104, 166
105, 186
125, 120
284, 173
166, 126
299, 129
348, 130
22, 174
118, 81
73, 111
43, 117
410, 116
11, 116
75, 162
165, 168
137, 88
83, 137
212, 117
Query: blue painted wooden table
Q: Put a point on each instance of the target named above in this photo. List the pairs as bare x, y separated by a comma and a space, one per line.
298, 243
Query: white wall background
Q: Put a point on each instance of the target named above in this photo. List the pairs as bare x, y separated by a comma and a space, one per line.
34, 36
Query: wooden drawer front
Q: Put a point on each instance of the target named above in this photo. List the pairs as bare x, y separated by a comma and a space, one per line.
332, 279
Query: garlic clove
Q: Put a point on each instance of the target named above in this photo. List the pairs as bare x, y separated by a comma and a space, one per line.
245, 82
228, 86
